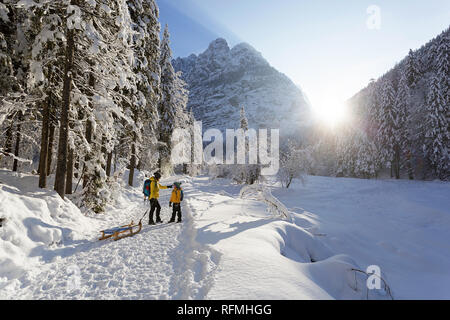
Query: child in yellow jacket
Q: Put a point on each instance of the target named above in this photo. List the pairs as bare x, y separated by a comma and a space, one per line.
175, 201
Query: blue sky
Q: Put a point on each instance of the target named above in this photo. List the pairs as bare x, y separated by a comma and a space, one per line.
324, 46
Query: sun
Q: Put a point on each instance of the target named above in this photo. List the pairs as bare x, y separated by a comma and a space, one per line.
330, 113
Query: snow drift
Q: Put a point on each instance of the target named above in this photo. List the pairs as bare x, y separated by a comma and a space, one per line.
36, 223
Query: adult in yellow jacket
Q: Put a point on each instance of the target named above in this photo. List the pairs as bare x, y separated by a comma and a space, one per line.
154, 195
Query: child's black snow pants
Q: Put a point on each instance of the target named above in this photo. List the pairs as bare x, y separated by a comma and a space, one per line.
176, 211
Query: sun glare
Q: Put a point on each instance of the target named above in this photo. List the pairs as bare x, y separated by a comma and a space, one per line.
331, 114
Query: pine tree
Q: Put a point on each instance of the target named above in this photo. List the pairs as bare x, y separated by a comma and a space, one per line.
248, 172
436, 131
412, 69
371, 126
402, 127
346, 154
168, 104
15, 100
7, 31
105, 102
386, 131
92, 68
144, 103
443, 70
243, 120
47, 66
7, 79
72, 25
398, 129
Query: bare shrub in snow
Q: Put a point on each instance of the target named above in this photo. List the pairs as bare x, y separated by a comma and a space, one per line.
295, 163
275, 206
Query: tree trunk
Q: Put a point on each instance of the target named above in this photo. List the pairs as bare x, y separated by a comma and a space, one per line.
44, 146
289, 183
133, 160
51, 138
69, 176
103, 150
88, 136
108, 164
70, 166
397, 162
17, 148
409, 167
60, 178
9, 137
159, 161
115, 159
87, 158
77, 168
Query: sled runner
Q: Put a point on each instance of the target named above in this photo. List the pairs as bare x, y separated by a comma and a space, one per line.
121, 232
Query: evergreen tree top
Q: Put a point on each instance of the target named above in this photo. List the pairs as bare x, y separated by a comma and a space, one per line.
243, 121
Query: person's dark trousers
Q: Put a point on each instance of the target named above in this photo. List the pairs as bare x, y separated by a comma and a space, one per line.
154, 204
176, 211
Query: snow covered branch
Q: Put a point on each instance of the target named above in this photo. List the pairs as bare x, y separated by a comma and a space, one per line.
275, 206
8, 154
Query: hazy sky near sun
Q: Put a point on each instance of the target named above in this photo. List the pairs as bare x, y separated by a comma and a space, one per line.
324, 46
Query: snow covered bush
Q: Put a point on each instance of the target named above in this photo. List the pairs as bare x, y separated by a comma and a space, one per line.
295, 163
274, 206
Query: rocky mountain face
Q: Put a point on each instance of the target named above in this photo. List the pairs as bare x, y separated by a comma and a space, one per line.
221, 80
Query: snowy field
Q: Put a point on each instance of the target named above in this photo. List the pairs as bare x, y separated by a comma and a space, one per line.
230, 247
402, 226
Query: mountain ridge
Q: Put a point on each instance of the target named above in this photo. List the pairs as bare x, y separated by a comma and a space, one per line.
222, 79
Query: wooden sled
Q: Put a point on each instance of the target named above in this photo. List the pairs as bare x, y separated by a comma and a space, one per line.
121, 232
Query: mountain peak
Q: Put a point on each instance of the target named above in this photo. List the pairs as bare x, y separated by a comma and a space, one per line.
221, 80
219, 45
244, 46
246, 54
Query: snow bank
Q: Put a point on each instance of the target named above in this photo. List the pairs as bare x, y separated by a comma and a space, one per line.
37, 223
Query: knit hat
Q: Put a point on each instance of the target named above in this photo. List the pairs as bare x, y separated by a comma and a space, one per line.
177, 184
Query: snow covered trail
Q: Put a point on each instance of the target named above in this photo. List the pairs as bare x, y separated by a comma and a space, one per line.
161, 262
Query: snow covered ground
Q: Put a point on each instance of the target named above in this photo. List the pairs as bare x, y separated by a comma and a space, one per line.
230, 247
402, 226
